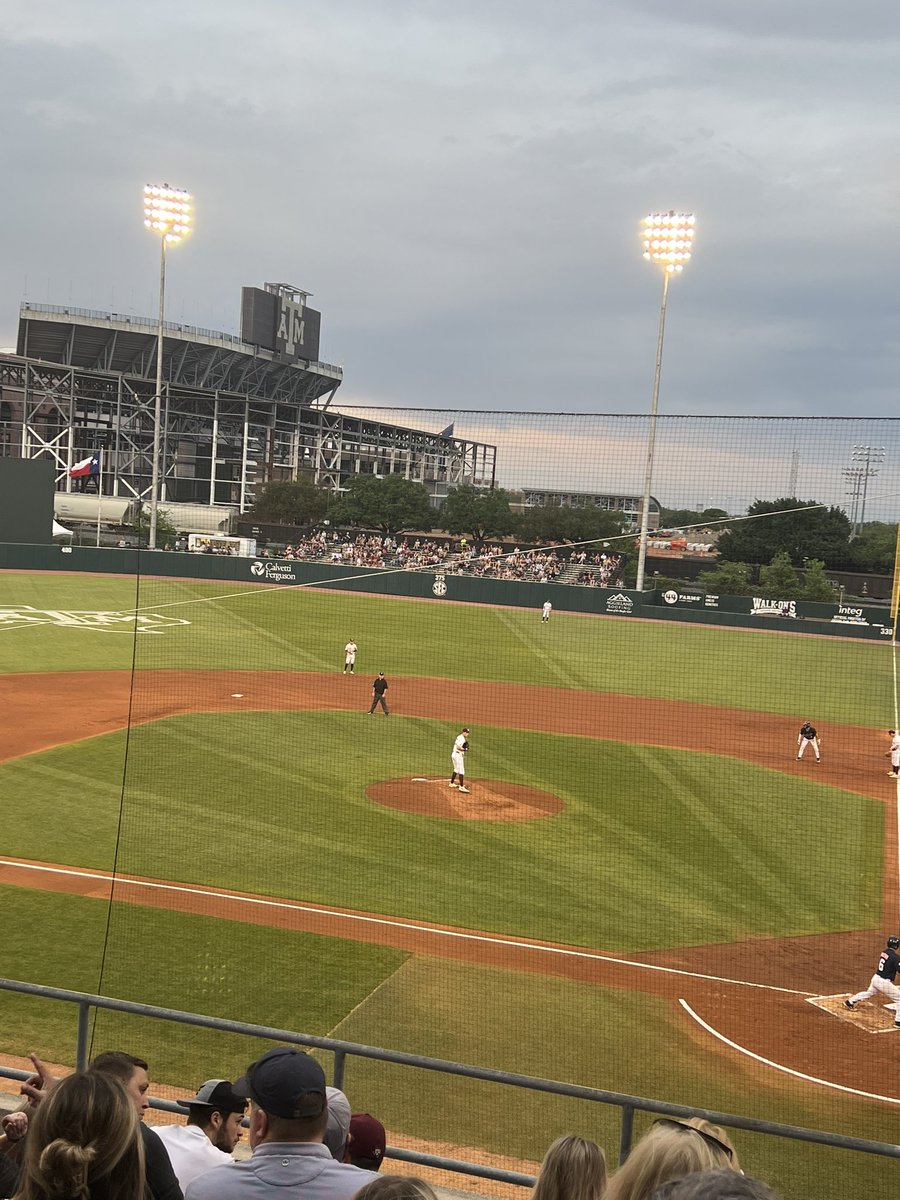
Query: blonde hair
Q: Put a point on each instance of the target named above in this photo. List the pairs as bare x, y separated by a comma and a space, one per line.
573, 1169
396, 1187
84, 1144
668, 1150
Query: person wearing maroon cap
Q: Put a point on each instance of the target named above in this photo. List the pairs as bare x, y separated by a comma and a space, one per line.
288, 1119
366, 1142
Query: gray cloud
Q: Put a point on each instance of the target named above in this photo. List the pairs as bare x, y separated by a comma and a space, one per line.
460, 185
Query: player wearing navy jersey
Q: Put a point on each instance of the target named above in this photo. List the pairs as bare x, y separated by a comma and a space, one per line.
883, 980
808, 737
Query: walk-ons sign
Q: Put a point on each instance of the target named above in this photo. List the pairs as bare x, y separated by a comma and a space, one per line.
23, 615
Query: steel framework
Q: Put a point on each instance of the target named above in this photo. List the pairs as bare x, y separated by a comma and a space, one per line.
233, 417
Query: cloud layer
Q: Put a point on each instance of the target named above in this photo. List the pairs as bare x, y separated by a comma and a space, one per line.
459, 186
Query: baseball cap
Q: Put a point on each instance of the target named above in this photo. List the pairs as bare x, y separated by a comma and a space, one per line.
287, 1083
367, 1138
217, 1093
338, 1122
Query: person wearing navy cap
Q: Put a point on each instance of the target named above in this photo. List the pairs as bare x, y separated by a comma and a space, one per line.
288, 1119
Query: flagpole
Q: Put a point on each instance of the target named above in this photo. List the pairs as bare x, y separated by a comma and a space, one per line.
99, 494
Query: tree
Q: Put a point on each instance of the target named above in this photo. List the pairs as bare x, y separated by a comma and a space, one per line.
289, 503
480, 512
166, 533
816, 585
779, 578
874, 548
679, 518
551, 524
728, 579
392, 504
813, 532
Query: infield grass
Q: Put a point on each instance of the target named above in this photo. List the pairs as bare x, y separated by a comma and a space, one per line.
298, 628
654, 848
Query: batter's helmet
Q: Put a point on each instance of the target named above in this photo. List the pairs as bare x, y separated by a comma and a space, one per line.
894, 942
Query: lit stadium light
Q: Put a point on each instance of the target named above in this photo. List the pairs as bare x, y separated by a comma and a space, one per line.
168, 211
668, 239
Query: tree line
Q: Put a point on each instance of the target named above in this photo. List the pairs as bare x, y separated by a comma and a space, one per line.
759, 552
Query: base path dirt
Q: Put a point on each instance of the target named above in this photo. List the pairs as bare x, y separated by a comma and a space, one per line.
46, 710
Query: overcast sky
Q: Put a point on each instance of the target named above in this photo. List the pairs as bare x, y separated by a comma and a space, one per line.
460, 186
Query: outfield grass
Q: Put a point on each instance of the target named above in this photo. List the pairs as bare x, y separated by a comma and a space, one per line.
654, 848
296, 628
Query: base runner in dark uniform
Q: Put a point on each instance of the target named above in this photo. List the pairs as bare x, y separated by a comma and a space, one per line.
808, 737
883, 979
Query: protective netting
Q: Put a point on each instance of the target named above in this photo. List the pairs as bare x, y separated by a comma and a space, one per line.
247, 841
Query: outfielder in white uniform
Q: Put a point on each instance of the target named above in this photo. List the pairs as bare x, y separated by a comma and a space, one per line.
350, 657
894, 752
458, 758
545, 611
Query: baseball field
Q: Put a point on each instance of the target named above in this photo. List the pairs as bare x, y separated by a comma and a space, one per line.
644, 890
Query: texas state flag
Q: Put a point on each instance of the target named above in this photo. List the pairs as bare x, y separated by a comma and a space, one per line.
87, 467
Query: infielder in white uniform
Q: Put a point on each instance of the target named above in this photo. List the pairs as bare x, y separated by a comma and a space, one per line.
894, 752
457, 757
545, 611
350, 657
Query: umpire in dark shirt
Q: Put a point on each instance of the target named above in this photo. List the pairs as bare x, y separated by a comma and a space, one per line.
379, 687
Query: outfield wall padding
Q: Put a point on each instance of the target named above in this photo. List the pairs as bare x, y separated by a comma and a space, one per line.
687, 606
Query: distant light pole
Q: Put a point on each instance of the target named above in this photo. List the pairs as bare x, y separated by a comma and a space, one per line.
668, 240
167, 212
868, 459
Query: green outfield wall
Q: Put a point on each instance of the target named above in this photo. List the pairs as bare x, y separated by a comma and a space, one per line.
684, 604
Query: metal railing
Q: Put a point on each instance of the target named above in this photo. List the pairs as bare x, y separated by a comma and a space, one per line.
341, 1050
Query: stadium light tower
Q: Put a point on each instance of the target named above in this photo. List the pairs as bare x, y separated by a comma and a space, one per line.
668, 241
168, 212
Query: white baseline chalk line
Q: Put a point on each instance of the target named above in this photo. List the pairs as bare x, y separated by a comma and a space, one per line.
366, 918
767, 1062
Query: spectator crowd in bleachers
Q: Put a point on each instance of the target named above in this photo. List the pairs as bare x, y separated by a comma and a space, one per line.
577, 566
83, 1137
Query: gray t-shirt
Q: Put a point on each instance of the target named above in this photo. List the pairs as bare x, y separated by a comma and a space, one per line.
307, 1168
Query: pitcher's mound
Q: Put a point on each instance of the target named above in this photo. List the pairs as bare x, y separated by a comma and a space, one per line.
488, 800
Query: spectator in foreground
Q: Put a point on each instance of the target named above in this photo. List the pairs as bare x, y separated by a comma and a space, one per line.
212, 1131
396, 1187
83, 1142
288, 1117
670, 1149
366, 1142
573, 1169
338, 1127
715, 1185
132, 1073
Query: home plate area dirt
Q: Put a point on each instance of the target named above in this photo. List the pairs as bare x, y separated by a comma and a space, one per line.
869, 1018
487, 800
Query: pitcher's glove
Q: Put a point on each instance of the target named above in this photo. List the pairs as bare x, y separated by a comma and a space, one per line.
465, 745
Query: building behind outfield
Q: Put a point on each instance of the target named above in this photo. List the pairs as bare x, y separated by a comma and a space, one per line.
237, 412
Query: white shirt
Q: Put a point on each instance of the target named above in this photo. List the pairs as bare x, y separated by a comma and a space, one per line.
190, 1150
547, 606
350, 648
459, 743
895, 742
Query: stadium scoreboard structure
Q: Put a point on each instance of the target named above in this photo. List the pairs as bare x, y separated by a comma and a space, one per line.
237, 412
